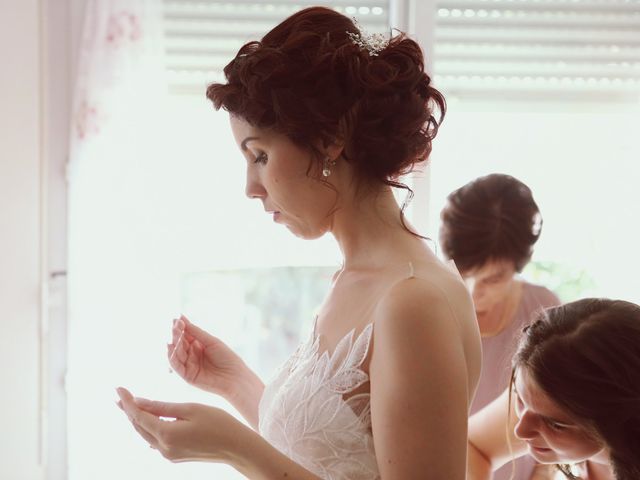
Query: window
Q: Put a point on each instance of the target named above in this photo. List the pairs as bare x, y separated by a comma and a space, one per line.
171, 232
548, 91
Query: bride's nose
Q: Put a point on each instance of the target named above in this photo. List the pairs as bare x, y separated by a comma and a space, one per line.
254, 187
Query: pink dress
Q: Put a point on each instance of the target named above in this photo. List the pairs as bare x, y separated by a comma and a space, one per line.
497, 352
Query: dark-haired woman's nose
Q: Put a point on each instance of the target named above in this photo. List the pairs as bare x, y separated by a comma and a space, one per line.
527, 426
478, 292
254, 187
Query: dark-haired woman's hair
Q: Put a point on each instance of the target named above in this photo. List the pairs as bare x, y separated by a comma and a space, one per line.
585, 356
308, 80
490, 218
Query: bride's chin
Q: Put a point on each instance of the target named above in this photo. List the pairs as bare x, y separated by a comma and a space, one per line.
305, 234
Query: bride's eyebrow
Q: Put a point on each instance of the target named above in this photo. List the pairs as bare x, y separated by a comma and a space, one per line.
243, 144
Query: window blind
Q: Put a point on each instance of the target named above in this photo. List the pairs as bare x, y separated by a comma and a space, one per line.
203, 36
567, 48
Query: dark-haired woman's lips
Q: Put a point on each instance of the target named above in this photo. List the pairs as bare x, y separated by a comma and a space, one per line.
539, 449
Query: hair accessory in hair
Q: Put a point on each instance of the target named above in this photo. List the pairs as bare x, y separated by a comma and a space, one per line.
373, 43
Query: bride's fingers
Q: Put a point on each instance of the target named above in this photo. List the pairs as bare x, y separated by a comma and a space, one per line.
193, 363
174, 351
181, 326
182, 337
180, 369
188, 337
180, 352
174, 363
197, 333
151, 440
170, 349
177, 330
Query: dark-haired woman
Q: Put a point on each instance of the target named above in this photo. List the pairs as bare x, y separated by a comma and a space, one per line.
575, 397
489, 227
327, 119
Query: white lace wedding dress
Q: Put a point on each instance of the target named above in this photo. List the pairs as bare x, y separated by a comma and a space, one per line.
311, 415
314, 410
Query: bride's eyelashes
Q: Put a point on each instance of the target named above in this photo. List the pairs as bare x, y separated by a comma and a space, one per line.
261, 157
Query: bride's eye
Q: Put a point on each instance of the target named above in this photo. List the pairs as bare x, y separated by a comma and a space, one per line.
261, 158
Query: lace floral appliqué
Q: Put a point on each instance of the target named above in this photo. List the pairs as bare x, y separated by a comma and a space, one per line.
307, 413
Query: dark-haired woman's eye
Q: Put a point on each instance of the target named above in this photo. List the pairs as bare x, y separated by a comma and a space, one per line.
558, 427
493, 280
519, 405
261, 158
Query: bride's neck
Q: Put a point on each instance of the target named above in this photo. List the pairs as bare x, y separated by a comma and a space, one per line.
370, 231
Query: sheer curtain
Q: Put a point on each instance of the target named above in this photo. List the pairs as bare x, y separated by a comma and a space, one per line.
121, 302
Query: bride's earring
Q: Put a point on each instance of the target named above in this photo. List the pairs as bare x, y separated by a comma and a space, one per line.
326, 166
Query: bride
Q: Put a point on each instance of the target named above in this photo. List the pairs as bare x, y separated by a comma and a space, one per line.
327, 119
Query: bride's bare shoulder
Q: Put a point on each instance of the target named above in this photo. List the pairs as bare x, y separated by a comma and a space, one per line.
428, 313
440, 279
428, 289
429, 305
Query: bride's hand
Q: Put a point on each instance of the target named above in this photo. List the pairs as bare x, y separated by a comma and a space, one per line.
194, 433
203, 360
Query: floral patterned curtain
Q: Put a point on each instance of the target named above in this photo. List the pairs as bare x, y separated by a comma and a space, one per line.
120, 68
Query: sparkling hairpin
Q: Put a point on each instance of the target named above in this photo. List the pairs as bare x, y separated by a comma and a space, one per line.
373, 43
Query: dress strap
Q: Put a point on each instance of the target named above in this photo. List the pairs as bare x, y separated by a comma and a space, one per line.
411, 272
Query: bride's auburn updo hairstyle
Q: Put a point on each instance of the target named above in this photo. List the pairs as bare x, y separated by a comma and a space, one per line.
311, 80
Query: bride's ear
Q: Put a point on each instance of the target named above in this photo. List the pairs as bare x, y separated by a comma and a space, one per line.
334, 148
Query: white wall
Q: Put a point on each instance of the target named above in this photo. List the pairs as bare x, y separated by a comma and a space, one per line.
60, 20
35, 91
20, 239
